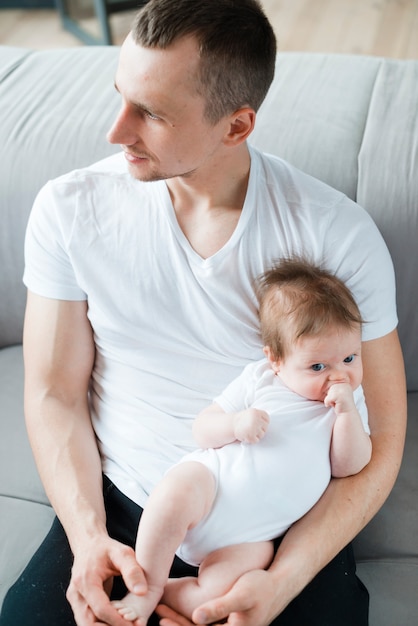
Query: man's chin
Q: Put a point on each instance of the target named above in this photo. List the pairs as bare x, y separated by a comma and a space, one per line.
140, 174
148, 175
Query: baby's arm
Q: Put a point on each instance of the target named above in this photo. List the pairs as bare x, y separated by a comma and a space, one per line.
351, 446
214, 428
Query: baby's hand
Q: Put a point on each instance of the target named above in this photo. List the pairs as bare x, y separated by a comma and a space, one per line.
340, 397
251, 425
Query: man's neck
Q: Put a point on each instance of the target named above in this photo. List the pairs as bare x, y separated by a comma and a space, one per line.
222, 184
208, 203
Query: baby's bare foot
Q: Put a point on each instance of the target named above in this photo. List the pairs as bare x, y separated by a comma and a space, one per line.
129, 608
139, 608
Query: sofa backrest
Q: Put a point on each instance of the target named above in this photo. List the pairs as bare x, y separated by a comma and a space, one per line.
349, 120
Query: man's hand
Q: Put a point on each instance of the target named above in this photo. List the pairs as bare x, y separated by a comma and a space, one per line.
248, 603
169, 617
250, 425
92, 577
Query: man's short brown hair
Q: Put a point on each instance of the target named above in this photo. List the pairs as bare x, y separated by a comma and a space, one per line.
236, 42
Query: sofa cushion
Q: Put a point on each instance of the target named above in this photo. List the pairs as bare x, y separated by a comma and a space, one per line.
23, 526
305, 120
393, 532
390, 145
393, 594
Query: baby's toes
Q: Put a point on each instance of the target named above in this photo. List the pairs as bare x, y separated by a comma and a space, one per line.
126, 611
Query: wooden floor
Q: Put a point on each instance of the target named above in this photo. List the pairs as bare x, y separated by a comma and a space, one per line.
377, 27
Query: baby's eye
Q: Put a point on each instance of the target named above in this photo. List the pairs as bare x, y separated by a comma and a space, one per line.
350, 358
317, 367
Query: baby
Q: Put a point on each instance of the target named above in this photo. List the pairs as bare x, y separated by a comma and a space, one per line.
269, 445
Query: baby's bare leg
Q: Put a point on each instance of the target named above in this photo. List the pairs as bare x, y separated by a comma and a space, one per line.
179, 502
217, 574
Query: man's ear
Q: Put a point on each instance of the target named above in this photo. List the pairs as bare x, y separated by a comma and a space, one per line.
241, 125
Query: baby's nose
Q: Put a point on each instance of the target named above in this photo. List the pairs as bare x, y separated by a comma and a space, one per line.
337, 375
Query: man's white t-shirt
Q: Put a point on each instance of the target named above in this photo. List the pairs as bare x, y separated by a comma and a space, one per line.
263, 488
171, 328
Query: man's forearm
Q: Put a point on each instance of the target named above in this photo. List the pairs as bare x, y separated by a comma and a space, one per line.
68, 461
59, 354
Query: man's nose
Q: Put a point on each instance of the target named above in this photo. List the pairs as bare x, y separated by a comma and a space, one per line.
122, 130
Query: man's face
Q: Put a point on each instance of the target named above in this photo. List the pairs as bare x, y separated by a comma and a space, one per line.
161, 125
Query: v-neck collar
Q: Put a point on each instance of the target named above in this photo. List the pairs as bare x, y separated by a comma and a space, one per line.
247, 209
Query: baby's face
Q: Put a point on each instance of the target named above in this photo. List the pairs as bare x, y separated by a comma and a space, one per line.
314, 364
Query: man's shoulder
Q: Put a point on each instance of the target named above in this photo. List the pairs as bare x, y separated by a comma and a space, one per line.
281, 193
292, 183
96, 189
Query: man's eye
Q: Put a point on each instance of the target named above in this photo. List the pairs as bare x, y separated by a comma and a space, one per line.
350, 358
318, 367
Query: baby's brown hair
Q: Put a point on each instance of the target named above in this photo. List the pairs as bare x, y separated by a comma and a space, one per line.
298, 298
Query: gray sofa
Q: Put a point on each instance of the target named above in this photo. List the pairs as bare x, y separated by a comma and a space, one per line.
351, 121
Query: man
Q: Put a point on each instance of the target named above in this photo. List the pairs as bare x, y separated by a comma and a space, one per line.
141, 307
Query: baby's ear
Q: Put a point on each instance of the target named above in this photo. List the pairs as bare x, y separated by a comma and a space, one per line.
275, 364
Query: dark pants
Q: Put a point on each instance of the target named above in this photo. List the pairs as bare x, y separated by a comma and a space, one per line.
336, 597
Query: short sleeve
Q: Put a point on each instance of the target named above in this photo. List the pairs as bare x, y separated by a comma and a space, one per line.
48, 268
239, 394
356, 249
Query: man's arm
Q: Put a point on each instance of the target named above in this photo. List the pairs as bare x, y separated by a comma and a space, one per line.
345, 508
59, 354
